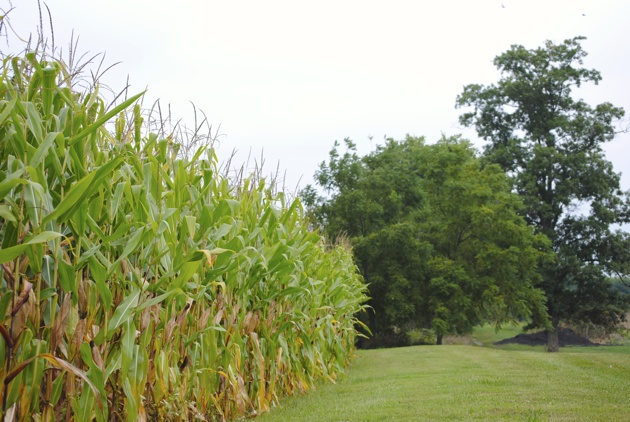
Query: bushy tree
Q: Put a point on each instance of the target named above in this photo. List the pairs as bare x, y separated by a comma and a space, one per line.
485, 258
435, 233
551, 145
373, 201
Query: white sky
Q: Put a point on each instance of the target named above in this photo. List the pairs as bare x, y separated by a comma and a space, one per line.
291, 77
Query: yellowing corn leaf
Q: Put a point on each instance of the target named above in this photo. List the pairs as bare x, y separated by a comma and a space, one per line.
62, 364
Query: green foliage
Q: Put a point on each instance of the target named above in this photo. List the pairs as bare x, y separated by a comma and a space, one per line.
140, 286
435, 233
551, 145
421, 336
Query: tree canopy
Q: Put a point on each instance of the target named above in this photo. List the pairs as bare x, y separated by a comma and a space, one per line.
550, 143
436, 234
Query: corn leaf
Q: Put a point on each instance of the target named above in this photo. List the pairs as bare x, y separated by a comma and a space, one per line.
91, 129
123, 312
11, 253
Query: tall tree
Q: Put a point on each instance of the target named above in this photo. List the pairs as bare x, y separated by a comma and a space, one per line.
375, 200
435, 234
551, 145
485, 258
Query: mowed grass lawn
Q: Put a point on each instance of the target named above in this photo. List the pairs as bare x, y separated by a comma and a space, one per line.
468, 383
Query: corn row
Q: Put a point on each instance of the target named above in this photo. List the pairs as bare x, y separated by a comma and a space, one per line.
137, 285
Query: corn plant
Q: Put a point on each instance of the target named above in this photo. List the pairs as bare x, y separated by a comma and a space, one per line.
140, 285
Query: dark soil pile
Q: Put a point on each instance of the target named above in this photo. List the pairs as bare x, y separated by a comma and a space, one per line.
566, 337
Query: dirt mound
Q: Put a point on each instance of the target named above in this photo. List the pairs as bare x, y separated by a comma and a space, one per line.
566, 337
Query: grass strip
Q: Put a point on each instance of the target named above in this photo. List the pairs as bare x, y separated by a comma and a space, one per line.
469, 383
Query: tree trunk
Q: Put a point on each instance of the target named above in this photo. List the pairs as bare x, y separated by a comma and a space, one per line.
439, 339
553, 344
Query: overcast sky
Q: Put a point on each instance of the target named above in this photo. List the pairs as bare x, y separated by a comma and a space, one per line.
291, 77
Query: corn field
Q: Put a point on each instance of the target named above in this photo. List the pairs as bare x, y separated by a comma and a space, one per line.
139, 285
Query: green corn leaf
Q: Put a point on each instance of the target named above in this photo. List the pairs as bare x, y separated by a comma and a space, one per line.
67, 278
158, 299
122, 230
114, 364
34, 122
11, 253
95, 374
85, 256
42, 149
57, 389
191, 225
132, 244
6, 214
123, 312
221, 231
188, 269
80, 192
115, 200
103, 119
75, 196
35, 256
131, 407
47, 293
5, 301
289, 291
127, 347
93, 226
99, 274
8, 109
196, 335
7, 185
31, 57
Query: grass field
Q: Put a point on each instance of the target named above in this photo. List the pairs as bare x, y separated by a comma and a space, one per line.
473, 383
